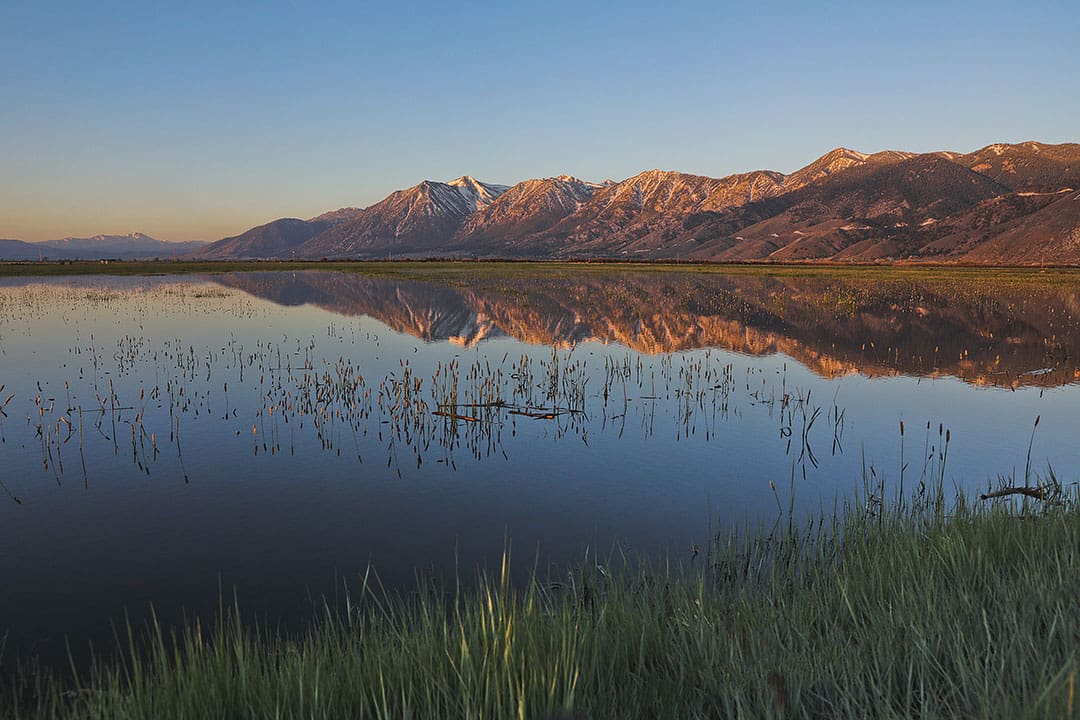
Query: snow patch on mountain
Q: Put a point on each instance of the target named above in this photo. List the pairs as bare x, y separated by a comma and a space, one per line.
477, 194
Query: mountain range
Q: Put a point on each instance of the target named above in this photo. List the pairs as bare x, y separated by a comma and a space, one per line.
1003, 204
134, 246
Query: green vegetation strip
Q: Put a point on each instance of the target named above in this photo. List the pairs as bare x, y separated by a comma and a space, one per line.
931, 611
451, 270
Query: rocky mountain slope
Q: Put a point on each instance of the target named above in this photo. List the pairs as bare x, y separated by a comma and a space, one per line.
276, 239
1002, 204
1029, 166
419, 220
1048, 235
339, 215
886, 208
527, 208
643, 215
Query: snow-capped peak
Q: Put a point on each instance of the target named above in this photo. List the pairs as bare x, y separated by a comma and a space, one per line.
464, 181
578, 181
848, 153
476, 193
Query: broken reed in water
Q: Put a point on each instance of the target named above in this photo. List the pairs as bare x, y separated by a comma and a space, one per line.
921, 609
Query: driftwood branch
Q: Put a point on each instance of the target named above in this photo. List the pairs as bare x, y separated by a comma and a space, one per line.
537, 415
456, 416
492, 404
1033, 492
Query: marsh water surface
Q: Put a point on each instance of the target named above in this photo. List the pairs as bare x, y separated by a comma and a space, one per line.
167, 440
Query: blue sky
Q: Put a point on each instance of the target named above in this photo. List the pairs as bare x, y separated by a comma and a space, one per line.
198, 120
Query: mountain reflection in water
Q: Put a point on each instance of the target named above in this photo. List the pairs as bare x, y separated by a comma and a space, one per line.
998, 333
165, 439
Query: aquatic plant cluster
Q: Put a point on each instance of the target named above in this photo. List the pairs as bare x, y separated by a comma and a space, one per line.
140, 395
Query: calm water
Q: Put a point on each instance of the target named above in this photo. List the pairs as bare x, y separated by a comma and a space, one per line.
167, 438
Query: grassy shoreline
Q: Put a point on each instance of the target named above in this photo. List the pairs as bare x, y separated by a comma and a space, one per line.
436, 269
927, 610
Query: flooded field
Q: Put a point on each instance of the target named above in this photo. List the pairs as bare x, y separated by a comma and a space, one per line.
169, 440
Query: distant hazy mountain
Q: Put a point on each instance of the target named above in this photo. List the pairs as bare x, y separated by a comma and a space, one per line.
1001, 204
134, 246
19, 250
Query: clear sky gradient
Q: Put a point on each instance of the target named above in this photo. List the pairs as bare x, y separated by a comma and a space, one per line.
198, 120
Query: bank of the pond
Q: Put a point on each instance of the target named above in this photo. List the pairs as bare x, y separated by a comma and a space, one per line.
934, 611
452, 270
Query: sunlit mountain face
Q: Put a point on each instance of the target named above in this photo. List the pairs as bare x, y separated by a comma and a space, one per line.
1013, 204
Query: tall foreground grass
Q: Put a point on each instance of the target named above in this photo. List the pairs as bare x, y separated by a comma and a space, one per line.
929, 610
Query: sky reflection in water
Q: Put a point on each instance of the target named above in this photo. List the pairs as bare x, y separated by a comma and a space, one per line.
276, 432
